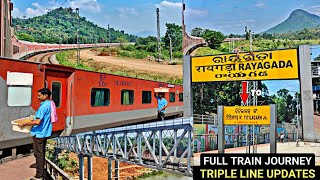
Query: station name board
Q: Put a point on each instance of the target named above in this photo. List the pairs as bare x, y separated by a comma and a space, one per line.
266, 65
246, 115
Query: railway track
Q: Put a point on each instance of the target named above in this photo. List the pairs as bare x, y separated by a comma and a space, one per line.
43, 58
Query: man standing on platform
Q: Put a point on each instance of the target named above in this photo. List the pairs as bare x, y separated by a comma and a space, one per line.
41, 130
162, 105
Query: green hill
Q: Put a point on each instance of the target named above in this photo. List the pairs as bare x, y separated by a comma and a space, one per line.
60, 26
298, 20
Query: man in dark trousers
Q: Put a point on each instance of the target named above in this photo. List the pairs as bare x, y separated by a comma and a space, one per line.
41, 130
162, 105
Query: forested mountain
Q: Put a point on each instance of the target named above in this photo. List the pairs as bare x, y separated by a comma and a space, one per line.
298, 20
60, 26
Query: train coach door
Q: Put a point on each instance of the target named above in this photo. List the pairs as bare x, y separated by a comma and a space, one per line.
57, 82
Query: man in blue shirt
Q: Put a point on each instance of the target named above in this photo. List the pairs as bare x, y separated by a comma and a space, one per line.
162, 105
41, 130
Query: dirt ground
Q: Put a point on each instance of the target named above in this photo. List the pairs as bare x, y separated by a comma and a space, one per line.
100, 169
127, 64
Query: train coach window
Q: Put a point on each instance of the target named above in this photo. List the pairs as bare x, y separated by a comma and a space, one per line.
146, 97
180, 97
19, 96
172, 97
127, 97
100, 97
56, 93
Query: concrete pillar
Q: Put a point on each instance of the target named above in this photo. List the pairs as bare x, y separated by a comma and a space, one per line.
273, 128
306, 93
14, 153
220, 130
187, 91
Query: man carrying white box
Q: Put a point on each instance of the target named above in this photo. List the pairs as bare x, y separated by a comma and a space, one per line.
41, 130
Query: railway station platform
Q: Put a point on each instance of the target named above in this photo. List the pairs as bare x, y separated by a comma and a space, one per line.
290, 147
18, 169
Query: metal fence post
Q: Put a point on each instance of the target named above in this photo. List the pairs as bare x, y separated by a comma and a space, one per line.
116, 169
89, 157
109, 168
81, 166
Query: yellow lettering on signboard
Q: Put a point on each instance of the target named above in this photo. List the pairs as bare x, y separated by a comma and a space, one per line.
279, 64
246, 115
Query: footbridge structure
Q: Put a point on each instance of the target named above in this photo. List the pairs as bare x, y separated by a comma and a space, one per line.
190, 43
165, 145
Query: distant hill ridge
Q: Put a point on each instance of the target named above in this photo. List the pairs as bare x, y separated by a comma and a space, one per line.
60, 25
298, 20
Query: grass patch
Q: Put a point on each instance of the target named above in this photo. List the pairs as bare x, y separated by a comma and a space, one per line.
62, 160
207, 51
64, 59
150, 174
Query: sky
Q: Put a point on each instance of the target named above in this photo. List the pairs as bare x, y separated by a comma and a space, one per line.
315, 52
275, 85
139, 16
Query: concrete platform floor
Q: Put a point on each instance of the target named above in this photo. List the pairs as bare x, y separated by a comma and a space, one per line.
18, 169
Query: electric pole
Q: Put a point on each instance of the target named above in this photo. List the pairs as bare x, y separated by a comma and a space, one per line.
109, 34
170, 48
183, 27
158, 32
78, 34
251, 139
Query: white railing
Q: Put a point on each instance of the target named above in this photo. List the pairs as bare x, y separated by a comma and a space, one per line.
205, 119
315, 71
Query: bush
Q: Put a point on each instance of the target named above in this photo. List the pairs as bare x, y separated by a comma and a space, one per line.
115, 49
129, 47
124, 53
139, 54
177, 54
105, 50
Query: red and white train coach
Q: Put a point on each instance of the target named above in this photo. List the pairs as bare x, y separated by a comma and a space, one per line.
85, 100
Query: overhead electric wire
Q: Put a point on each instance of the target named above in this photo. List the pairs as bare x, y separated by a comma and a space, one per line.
64, 2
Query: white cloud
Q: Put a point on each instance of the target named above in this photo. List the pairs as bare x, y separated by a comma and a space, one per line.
36, 10
178, 7
196, 12
260, 4
249, 20
315, 10
86, 5
125, 11
17, 13
170, 4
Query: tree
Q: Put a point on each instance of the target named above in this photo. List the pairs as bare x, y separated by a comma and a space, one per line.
207, 96
121, 40
213, 38
63, 22
198, 32
285, 105
175, 32
26, 37
317, 58
247, 33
